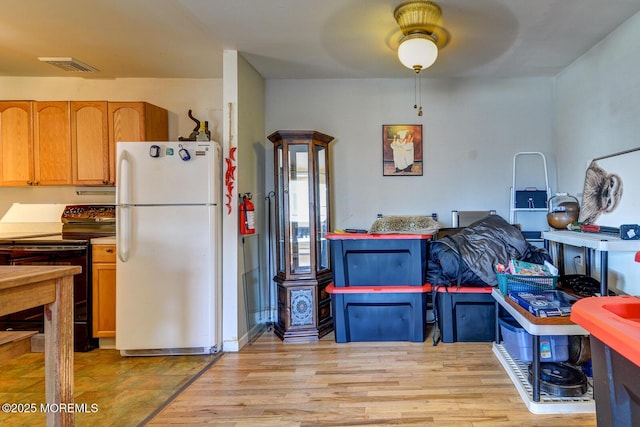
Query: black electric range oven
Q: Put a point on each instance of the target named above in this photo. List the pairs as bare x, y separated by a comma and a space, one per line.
80, 224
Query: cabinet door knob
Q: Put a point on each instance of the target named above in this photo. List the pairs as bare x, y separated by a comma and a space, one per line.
109, 251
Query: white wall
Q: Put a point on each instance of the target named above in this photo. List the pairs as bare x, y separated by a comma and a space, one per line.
176, 95
598, 113
243, 129
231, 332
251, 156
471, 131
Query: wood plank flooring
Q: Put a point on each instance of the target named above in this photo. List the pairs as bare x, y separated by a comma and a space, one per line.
366, 383
115, 391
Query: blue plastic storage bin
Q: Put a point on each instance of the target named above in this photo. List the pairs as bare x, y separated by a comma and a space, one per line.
379, 259
383, 313
519, 343
466, 314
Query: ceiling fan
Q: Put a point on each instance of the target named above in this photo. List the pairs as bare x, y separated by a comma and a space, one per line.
423, 35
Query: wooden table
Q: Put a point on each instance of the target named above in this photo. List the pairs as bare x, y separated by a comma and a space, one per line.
23, 287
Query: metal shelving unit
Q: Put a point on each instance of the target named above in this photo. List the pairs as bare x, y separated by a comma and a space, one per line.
537, 401
547, 404
529, 199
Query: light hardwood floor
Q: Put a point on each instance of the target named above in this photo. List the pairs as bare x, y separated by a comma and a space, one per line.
324, 383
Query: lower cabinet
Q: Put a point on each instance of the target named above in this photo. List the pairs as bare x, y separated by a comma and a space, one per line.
104, 290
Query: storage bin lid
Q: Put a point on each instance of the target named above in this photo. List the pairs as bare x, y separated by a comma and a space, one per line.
389, 236
466, 289
509, 323
332, 289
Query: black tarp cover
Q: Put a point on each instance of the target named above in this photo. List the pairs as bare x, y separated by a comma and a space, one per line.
469, 257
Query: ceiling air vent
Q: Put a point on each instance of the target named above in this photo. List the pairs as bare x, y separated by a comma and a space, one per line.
69, 64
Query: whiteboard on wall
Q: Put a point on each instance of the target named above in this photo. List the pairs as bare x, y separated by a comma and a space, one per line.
611, 193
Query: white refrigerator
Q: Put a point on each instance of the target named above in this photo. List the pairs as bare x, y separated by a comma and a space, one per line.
168, 281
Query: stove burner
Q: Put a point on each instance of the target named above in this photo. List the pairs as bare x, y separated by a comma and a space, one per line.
88, 221
89, 213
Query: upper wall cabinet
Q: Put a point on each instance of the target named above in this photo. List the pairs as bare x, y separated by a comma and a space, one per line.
16, 143
136, 121
97, 126
51, 143
71, 143
90, 157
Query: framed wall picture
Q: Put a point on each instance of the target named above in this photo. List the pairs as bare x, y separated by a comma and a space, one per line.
402, 150
611, 191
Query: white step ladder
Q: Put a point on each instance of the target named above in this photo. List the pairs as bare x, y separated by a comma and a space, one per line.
530, 200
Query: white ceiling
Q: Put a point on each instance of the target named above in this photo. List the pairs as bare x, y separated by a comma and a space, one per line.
297, 38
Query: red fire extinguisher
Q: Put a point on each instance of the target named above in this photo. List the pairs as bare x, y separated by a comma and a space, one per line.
247, 215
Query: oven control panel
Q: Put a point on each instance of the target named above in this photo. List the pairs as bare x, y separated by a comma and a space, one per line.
89, 213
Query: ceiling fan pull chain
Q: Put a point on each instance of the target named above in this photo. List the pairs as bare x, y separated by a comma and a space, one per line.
415, 91
420, 94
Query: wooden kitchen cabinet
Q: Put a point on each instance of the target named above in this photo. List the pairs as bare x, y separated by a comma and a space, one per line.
136, 121
71, 142
104, 290
16, 143
97, 126
90, 156
36, 146
51, 143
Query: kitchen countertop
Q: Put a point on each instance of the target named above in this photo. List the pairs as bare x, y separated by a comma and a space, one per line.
110, 240
9, 235
20, 229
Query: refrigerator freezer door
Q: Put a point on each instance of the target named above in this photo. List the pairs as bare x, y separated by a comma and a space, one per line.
158, 173
167, 290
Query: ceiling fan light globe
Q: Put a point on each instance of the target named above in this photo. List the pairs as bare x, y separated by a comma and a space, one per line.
417, 52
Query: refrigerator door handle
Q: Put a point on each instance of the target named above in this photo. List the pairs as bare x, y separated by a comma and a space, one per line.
123, 215
123, 232
122, 184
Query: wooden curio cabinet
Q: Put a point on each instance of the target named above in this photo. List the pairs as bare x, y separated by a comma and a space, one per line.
301, 168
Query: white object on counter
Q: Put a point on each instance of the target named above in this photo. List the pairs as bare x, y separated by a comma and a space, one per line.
34, 212
32, 219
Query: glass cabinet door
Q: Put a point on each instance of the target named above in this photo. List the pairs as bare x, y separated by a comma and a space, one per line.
281, 223
322, 208
298, 203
